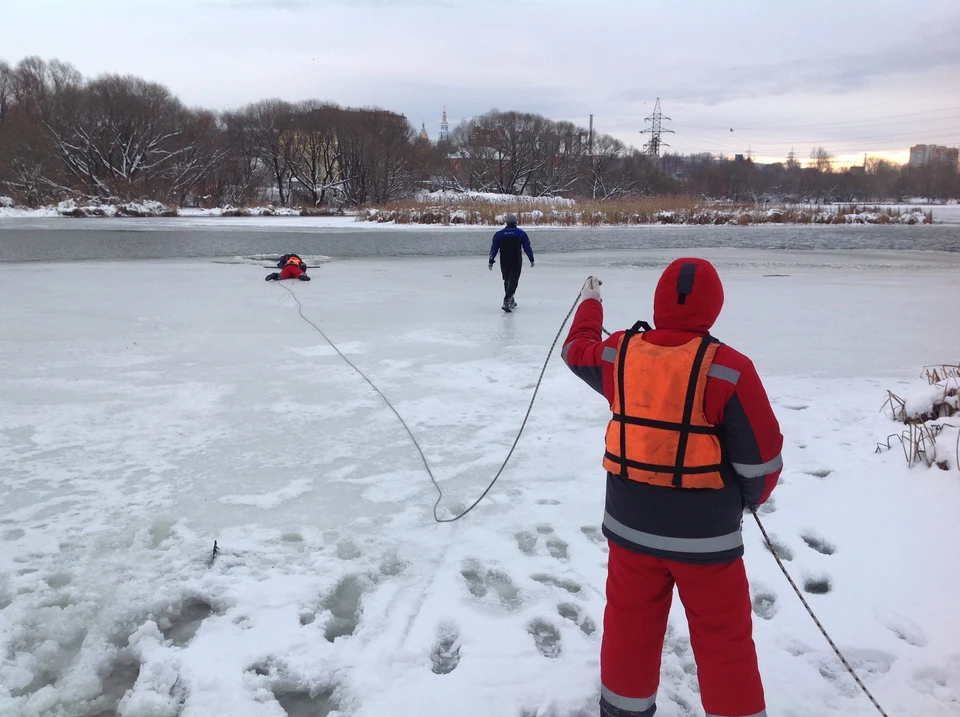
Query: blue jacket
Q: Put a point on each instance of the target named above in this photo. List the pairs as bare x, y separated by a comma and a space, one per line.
509, 241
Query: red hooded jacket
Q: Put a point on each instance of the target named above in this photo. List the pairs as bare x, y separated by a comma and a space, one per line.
688, 525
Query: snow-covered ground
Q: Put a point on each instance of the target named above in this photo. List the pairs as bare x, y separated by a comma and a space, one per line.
150, 408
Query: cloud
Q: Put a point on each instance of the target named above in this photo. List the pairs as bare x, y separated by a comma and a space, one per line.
830, 75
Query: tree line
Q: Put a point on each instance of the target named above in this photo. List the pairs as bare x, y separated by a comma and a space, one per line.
119, 136
878, 180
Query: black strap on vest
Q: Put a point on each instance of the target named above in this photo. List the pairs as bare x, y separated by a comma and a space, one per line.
637, 328
686, 428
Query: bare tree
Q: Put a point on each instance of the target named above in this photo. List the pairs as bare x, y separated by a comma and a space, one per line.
242, 174
376, 148
564, 150
6, 90
117, 134
606, 178
269, 122
201, 156
504, 150
821, 160
312, 151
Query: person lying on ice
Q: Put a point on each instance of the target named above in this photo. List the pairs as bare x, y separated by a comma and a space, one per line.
692, 441
292, 267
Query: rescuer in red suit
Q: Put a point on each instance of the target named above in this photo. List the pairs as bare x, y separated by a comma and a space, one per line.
692, 441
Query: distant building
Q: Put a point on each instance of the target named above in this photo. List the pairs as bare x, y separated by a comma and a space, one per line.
423, 132
444, 128
923, 154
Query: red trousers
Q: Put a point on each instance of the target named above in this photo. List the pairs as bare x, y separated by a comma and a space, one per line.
290, 271
717, 602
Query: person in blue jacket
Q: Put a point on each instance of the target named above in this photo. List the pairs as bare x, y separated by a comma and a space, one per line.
509, 241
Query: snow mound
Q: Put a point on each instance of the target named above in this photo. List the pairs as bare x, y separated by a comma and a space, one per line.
144, 208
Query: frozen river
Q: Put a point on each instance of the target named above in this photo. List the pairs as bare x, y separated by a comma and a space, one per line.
57, 239
150, 407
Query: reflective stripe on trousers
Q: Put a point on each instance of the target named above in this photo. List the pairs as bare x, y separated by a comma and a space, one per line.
627, 706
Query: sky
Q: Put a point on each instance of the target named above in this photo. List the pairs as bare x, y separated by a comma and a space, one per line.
856, 77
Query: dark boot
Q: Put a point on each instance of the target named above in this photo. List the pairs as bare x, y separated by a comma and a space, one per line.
272, 277
304, 277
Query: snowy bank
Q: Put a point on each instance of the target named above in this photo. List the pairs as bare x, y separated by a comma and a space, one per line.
549, 211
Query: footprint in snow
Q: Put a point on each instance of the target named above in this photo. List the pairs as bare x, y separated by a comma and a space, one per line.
593, 533
344, 606
780, 549
867, 660
546, 637
819, 473
526, 542
765, 604
445, 655
121, 676
182, 622
817, 542
575, 614
904, 628
557, 548
481, 581
569, 585
306, 702
817, 584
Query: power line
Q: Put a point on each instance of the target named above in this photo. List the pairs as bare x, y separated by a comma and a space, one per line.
830, 124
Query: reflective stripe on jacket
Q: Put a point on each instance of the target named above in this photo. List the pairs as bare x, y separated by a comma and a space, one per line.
658, 433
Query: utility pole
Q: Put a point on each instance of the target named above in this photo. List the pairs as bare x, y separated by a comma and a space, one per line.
654, 144
590, 138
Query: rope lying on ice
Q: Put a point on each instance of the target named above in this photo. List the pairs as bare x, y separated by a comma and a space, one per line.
816, 621
423, 458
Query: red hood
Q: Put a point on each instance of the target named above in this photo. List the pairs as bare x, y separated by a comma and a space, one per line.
689, 296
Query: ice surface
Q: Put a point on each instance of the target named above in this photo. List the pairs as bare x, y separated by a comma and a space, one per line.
150, 408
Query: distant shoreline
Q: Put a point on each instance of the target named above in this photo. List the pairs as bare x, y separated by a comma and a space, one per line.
534, 212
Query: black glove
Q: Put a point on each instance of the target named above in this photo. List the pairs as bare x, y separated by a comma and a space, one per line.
490, 266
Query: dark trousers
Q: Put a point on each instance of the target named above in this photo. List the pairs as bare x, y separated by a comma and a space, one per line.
511, 279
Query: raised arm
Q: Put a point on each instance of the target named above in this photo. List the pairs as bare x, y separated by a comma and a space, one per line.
585, 354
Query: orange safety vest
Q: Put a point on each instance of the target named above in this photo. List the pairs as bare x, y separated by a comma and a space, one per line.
659, 433
296, 260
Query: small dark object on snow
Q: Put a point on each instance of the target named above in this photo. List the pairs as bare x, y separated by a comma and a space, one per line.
216, 552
